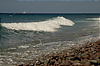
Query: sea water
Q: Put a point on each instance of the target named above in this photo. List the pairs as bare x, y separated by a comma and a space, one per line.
27, 36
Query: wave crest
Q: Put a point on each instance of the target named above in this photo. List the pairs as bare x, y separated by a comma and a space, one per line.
48, 25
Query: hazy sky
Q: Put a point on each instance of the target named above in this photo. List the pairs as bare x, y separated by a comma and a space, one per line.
57, 0
51, 6
53, 0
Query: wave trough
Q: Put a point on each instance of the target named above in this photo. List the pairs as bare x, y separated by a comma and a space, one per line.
48, 25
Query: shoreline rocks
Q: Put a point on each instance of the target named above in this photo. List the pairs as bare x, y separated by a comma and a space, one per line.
86, 55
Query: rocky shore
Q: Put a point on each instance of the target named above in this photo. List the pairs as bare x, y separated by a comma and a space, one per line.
86, 55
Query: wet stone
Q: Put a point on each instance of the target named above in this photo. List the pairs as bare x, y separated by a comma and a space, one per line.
21, 65
98, 62
85, 56
75, 58
56, 63
92, 57
51, 62
70, 58
87, 63
76, 64
94, 62
86, 52
72, 54
64, 62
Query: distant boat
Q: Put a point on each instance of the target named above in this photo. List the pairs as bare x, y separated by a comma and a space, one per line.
24, 12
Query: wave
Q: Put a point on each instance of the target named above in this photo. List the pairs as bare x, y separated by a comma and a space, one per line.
48, 25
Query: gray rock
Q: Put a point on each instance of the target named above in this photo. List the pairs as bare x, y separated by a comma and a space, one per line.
93, 61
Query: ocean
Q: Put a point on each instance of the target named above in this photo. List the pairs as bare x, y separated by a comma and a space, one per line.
28, 36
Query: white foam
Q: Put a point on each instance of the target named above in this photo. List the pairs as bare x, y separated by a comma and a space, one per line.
23, 46
48, 25
98, 19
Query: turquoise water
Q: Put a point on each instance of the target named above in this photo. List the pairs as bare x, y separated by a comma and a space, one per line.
28, 36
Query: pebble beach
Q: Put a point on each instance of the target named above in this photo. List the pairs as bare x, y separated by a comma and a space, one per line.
86, 55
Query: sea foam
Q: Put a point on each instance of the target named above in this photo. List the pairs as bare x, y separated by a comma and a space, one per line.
97, 19
48, 25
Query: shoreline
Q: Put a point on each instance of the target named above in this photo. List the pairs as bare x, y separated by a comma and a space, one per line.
87, 54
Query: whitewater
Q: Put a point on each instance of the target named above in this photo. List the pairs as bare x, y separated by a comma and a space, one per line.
48, 25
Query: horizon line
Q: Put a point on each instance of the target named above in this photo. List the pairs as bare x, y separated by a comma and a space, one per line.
49, 13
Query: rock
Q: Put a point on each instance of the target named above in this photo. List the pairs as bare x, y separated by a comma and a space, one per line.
98, 42
98, 53
59, 61
38, 62
85, 60
51, 62
21, 65
93, 62
56, 63
85, 56
87, 63
92, 65
65, 54
72, 54
76, 64
94, 52
64, 63
98, 62
97, 58
75, 58
31, 65
71, 62
98, 50
92, 57
86, 52
69, 58
46, 61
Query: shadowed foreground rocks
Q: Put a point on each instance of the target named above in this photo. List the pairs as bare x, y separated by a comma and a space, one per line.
87, 55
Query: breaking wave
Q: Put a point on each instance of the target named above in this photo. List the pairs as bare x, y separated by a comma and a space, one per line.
48, 25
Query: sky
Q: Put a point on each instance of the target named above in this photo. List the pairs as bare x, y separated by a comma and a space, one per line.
53, 0
50, 6
57, 0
